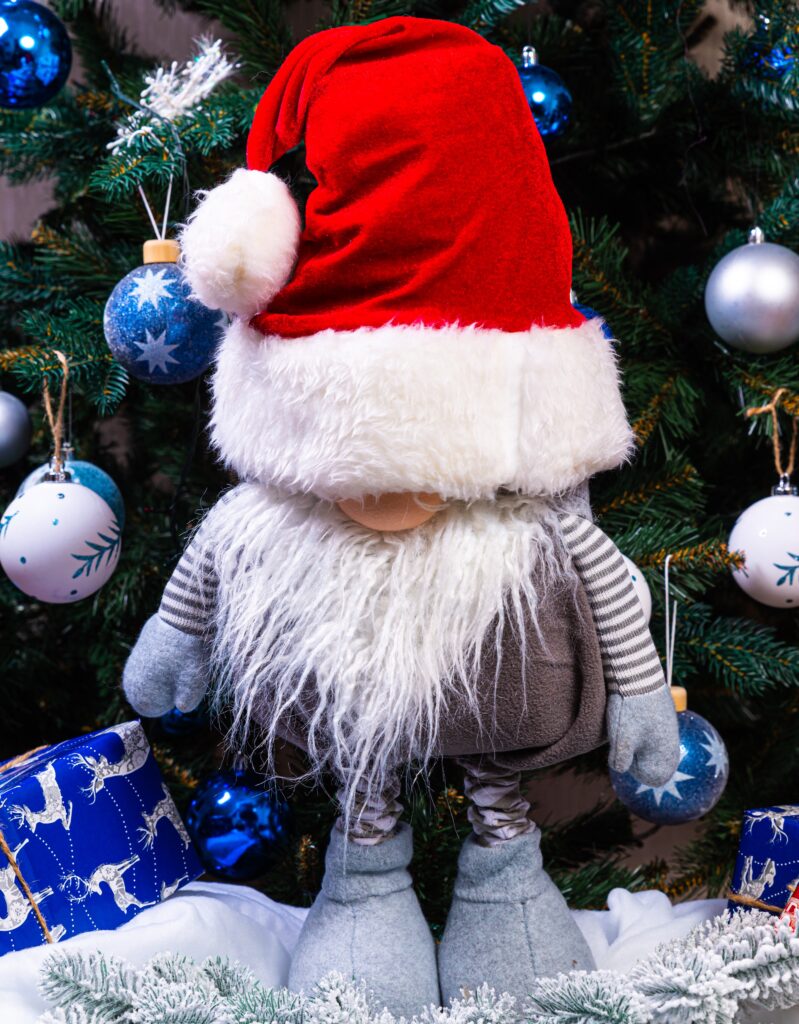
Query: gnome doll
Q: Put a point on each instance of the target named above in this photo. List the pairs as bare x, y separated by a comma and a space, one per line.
407, 571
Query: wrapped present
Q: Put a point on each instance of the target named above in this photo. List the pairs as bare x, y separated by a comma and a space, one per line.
767, 870
89, 837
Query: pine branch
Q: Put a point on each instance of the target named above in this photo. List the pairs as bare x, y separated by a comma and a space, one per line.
483, 16
746, 657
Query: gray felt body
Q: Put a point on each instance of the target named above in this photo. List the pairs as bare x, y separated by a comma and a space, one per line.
508, 923
367, 923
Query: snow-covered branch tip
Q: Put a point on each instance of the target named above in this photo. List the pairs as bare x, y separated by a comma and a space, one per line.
176, 91
707, 977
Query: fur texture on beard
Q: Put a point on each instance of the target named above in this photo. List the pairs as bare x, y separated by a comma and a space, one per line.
365, 637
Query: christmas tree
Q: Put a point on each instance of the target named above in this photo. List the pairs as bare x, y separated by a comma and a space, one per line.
663, 167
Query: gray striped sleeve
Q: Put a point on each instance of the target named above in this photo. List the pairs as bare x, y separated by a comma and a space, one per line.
190, 596
629, 657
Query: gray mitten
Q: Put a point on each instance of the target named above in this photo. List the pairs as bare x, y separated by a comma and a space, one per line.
644, 735
167, 669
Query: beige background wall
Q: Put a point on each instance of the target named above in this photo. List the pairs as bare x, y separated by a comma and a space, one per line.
170, 37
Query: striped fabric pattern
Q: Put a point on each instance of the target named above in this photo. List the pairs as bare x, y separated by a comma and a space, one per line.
630, 660
629, 657
189, 598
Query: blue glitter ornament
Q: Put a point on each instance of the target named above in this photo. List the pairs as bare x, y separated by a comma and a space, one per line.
35, 54
770, 60
238, 826
546, 92
85, 473
184, 723
591, 314
155, 328
696, 786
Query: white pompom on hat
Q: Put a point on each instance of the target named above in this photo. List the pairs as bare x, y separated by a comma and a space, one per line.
240, 245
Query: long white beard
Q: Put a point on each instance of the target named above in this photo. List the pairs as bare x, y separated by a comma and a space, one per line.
382, 630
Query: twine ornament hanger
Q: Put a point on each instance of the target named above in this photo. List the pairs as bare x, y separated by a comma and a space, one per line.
12, 860
56, 421
784, 472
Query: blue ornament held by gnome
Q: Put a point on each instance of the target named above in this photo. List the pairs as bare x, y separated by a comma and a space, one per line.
409, 570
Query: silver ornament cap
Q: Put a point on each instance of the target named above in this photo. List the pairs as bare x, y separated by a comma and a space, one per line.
15, 429
752, 296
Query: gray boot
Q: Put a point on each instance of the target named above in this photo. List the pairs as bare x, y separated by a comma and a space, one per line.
508, 923
367, 924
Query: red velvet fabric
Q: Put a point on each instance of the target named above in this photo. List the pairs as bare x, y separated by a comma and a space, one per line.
435, 202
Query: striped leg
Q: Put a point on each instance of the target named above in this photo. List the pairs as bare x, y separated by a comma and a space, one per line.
508, 924
366, 923
374, 815
497, 810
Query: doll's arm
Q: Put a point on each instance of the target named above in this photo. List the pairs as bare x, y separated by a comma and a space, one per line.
641, 720
168, 666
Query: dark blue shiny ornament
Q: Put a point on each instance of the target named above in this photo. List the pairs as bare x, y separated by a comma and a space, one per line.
546, 92
696, 786
35, 54
591, 314
768, 56
239, 827
184, 723
156, 329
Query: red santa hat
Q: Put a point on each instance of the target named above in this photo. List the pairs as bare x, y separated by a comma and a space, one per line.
417, 333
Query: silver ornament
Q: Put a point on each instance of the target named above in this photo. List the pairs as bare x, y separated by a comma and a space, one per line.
15, 429
752, 296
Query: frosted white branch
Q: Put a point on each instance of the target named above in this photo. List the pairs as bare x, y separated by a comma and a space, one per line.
750, 959
176, 91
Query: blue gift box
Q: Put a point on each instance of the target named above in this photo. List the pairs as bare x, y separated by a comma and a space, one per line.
767, 869
95, 835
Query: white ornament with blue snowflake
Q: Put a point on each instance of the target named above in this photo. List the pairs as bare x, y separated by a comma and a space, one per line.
767, 534
641, 587
59, 542
154, 327
696, 786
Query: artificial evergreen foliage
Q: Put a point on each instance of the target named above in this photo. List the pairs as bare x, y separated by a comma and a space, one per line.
663, 170
720, 968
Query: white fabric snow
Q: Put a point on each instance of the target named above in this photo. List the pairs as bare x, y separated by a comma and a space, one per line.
211, 918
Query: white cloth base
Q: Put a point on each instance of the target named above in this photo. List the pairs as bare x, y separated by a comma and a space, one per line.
213, 919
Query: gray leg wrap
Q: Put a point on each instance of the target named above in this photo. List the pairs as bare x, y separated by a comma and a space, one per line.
508, 923
367, 924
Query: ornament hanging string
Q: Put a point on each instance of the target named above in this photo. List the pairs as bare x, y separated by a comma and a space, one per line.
671, 624
56, 422
772, 407
12, 860
120, 95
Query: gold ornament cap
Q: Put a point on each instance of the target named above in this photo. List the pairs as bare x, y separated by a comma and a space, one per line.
161, 250
680, 697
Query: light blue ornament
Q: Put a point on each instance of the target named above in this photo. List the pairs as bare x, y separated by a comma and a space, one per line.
156, 330
239, 827
546, 92
693, 790
35, 54
85, 473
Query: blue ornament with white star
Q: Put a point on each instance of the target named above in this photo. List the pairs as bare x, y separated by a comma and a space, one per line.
693, 790
591, 314
154, 327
